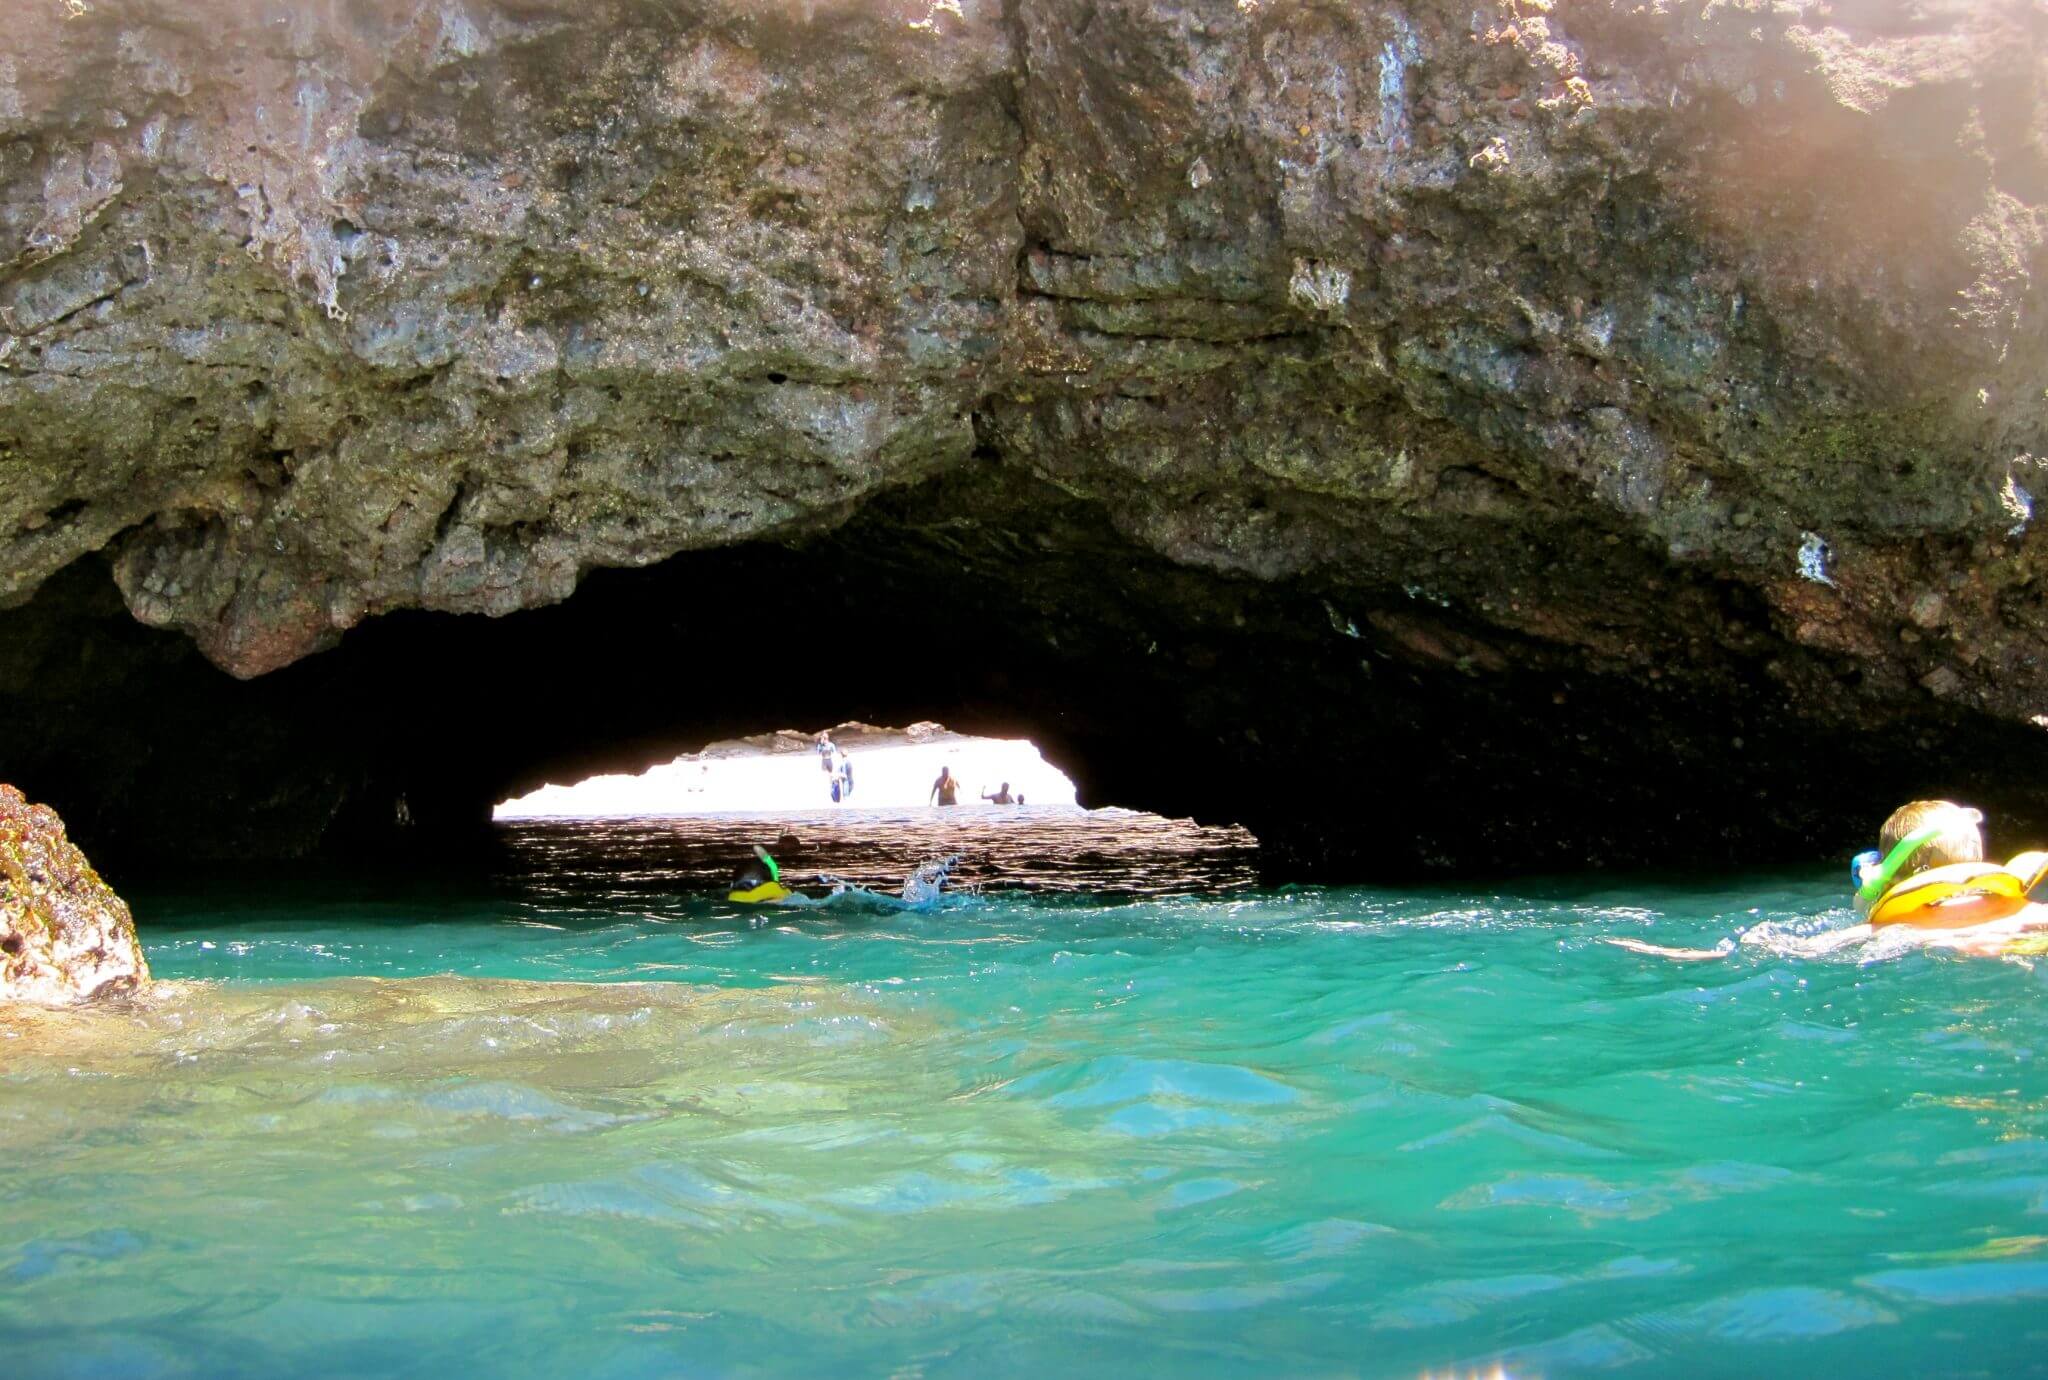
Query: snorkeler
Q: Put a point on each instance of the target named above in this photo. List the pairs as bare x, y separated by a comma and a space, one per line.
1929, 873
922, 889
761, 879
1928, 877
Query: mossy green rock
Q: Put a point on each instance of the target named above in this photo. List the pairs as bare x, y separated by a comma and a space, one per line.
64, 935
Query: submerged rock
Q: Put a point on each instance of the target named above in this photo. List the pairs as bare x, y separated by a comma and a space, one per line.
64, 935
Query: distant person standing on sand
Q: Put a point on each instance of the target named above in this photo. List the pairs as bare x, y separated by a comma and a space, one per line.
946, 790
1001, 797
837, 765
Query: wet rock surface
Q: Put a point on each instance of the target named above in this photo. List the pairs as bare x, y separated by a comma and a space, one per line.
1437, 436
64, 935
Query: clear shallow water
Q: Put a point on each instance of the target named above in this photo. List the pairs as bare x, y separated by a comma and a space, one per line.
576, 1121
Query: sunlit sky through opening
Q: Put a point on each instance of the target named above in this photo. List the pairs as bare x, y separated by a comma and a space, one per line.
894, 773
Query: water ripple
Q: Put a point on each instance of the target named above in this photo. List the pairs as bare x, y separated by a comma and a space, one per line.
589, 1119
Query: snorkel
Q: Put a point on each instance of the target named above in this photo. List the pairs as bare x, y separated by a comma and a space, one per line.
774, 871
1874, 878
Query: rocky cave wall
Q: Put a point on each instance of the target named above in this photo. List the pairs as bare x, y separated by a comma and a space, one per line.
1521, 435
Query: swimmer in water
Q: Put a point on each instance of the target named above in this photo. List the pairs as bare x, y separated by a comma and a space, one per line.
945, 790
1929, 877
922, 889
1928, 880
763, 868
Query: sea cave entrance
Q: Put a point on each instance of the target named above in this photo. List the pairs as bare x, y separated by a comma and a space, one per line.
1360, 730
851, 766
887, 811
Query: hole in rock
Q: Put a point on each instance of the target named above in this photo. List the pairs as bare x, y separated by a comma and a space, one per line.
65, 511
864, 767
1370, 728
867, 806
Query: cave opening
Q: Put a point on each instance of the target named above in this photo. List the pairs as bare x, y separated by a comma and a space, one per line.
402, 740
857, 805
1371, 727
848, 768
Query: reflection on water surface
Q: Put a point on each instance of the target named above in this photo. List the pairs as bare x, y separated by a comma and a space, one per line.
1041, 849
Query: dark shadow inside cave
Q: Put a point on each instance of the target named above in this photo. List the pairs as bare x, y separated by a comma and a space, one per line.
1359, 732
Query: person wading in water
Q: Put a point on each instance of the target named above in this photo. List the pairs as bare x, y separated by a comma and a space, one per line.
946, 790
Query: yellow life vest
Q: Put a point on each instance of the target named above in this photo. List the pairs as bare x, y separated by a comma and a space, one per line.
767, 891
1961, 894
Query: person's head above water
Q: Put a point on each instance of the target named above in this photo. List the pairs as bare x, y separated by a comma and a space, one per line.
1917, 836
1956, 835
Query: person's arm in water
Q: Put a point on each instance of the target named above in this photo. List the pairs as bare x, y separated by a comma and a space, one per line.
1993, 939
1639, 946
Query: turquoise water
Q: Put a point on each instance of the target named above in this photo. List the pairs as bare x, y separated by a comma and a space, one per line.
575, 1119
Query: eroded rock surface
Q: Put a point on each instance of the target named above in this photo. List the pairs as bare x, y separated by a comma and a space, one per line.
64, 935
1692, 350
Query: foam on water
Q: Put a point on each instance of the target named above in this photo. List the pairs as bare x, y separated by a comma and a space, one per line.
586, 1120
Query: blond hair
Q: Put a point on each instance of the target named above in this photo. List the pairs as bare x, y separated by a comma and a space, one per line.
1960, 840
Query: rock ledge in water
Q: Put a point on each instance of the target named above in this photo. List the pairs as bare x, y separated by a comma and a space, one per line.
64, 935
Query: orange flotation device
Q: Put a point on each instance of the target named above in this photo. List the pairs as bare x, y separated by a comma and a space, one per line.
1961, 894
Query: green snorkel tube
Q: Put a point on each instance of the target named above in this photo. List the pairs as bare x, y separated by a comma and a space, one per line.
1876, 883
774, 869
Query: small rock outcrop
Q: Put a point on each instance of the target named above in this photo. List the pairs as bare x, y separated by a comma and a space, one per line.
64, 935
